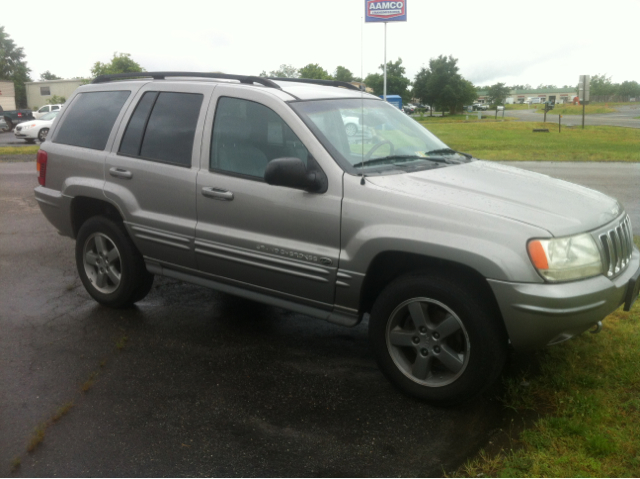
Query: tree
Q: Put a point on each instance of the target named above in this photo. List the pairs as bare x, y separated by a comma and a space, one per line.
630, 89
314, 71
442, 87
120, 63
546, 87
285, 71
397, 83
56, 100
343, 74
601, 85
49, 76
497, 93
13, 67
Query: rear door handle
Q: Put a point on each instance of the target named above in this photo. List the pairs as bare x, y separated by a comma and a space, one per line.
217, 193
120, 173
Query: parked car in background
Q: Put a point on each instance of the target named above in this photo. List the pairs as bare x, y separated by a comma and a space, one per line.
13, 117
3, 125
45, 109
481, 106
33, 130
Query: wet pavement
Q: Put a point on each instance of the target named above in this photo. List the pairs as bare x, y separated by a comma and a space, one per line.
192, 382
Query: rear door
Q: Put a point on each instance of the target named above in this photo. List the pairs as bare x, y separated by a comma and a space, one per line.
151, 171
278, 240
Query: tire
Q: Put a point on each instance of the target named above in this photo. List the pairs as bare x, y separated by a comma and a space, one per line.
435, 340
351, 129
42, 134
111, 268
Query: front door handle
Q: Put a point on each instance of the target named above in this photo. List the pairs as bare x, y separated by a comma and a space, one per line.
120, 173
217, 193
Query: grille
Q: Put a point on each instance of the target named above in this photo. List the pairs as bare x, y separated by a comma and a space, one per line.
617, 244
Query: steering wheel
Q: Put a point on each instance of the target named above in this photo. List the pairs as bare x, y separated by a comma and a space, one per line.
378, 145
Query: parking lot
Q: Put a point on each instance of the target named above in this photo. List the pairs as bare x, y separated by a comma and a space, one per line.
193, 382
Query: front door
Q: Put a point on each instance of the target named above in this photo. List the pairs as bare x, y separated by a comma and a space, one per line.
270, 239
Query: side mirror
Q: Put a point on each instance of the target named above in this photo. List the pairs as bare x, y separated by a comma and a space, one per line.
292, 173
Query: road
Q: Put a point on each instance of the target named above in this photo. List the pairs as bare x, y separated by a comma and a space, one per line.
624, 116
192, 382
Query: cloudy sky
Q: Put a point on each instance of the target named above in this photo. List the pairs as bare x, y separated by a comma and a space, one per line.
546, 41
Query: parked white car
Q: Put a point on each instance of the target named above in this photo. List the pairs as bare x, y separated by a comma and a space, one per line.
45, 109
33, 130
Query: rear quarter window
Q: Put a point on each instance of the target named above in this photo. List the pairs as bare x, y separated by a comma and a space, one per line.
90, 119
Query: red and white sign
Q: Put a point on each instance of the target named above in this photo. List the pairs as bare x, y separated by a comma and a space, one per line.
390, 11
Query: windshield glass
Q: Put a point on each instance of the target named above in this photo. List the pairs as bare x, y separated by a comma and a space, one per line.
366, 135
49, 116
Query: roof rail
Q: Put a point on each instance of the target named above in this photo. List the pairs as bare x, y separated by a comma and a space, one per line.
337, 83
248, 79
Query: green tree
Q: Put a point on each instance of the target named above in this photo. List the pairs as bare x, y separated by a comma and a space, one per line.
285, 71
49, 76
56, 100
314, 71
343, 74
497, 93
546, 87
13, 67
629, 88
441, 86
601, 85
120, 63
397, 83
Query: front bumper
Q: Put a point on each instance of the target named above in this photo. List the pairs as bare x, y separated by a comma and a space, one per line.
538, 314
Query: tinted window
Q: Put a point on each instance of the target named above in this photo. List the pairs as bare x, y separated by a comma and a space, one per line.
171, 128
132, 139
45, 91
90, 118
247, 135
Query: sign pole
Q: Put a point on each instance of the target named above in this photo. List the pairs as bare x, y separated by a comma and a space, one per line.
384, 91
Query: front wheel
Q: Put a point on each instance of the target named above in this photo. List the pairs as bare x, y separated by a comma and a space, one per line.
111, 269
42, 134
436, 341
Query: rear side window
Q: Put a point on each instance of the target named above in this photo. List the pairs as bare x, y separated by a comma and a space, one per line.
90, 118
163, 127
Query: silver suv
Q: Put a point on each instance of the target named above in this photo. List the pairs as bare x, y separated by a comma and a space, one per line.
256, 187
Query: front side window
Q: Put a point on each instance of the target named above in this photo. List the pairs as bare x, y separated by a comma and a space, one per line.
247, 135
162, 127
89, 119
371, 136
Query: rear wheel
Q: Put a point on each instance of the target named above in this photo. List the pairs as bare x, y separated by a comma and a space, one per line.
435, 340
111, 269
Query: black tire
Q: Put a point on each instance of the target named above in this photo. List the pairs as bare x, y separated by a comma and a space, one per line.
111, 268
42, 134
435, 340
9, 124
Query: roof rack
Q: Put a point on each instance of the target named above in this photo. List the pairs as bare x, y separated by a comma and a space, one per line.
337, 83
248, 79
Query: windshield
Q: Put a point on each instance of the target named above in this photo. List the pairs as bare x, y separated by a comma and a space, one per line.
49, 116
367, 136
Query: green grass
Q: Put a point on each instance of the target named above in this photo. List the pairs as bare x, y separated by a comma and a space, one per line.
587, 398
516, 141
19, 150
518, 106
568, 109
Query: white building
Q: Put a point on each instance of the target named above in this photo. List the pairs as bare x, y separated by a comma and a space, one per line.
39, 92
7, 95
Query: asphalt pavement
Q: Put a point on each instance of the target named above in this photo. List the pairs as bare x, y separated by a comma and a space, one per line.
625, 116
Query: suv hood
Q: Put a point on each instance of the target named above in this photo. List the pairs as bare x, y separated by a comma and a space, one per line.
560, 207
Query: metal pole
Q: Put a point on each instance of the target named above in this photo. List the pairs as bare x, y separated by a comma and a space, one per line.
559, 123
584, 94
384, 92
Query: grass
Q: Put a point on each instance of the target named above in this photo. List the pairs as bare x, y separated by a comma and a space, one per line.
15, 463
36, 438
19, 150
587, 398
568, 109
516, 141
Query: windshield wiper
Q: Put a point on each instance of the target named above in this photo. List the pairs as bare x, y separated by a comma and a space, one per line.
388, 159
447, 151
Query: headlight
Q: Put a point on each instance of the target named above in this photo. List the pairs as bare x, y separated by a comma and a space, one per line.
565, 259
26, 127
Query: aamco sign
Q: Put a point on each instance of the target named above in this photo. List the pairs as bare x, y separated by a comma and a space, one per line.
377, 11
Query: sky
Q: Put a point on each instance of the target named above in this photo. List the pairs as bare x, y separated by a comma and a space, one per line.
542, 42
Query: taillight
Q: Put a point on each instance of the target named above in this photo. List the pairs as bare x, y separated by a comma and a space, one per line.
41, 163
